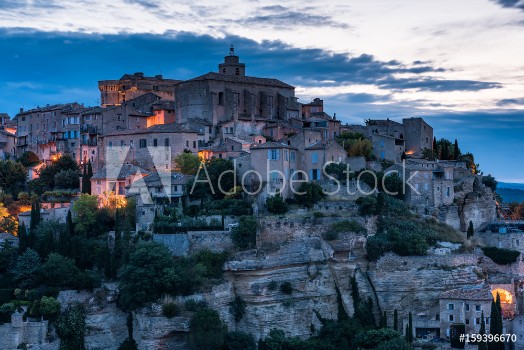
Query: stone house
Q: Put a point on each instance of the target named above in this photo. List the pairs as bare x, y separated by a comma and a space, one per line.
229, 148
273, 164
431, 183
49, 131
130, 86
150, 148
115, 180
418, 135
464, 306
7, 144
387, 147
315, 157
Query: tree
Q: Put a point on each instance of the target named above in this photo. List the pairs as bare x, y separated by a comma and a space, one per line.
456, 151
85, 209
374, 337
310, 193
12, 176
276, 204
356, 144
429, 154
495, 325
22, 238
434, 144
482, 345
409, 329
49, 308
64, 239
71, 328
471, 230
28, 159
384, 320
35, 214
3, 211
337, 170
207, 330
59, 271
244, 235
395, 320
27, 269
48, 172
239, 341
489, 181
66, 179
187, 163
237, 308
146, 276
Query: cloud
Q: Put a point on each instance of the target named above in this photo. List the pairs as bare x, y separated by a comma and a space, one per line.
436, 85
366, 98
511, 101
151, 5
278, 16
519, 4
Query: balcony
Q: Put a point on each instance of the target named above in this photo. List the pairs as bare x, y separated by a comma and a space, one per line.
89, 142
89, 129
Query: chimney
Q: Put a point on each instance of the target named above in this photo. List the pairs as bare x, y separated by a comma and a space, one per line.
159, 76
139, 74
21, 110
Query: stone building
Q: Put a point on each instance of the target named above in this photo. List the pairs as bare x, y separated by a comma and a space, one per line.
386, 147
431, 182
465, 306
49, 131
231, 95
7, 124
418, 135
316, 156
156, 146
115, 180
274, 163
130, 86
141, 112
7, 144
32, 333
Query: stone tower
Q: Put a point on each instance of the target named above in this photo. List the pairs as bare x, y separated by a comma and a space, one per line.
232, 65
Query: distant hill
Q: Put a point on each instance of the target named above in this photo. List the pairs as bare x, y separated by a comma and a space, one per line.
515, 186
511, 192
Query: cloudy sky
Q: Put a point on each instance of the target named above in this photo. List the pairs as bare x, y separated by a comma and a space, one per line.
458, 64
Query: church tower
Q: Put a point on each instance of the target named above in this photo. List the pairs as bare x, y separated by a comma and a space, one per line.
232, 65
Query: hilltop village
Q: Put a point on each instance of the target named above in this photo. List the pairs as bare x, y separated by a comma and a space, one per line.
221, 212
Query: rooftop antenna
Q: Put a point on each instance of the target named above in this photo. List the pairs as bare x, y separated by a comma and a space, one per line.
232, 50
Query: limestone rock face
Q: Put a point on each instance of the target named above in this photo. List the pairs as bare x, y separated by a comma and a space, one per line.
474, 202
105, 323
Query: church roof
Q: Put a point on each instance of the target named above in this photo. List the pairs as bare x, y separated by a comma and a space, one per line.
241, 79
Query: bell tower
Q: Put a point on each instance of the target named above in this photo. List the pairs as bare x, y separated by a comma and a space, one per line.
232, 65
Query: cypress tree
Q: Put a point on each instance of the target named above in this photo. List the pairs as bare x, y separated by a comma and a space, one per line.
409, 335
384, 320
482, 331
35, 214
84, 178
89, 175
495, 323
456, 151
445, 151
471, 230
434, 144
22, 238
395, 320
64, 240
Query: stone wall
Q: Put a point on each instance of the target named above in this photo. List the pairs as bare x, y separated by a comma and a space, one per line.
182, 244
18, 332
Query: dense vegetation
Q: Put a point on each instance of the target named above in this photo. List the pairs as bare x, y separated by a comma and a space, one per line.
500, 255
401, 232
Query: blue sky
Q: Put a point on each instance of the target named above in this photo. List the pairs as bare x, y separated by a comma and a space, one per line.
459, 65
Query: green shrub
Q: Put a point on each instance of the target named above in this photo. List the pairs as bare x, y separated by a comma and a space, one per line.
193, 305
273, 285
367, 205
49, 308
244, 235
239, 341
71, 328
311, 193
500, 255
330, 235
286, 288
170, 310
128, 344
276, 204
347, 226
237, 308
207, 330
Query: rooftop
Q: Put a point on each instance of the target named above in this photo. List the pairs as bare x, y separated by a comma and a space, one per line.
160, 128
476, 292
241, 79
